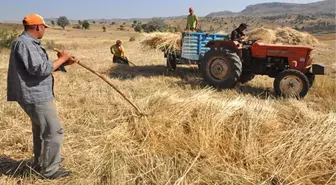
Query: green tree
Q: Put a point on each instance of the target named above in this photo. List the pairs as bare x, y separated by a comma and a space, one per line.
138, 27
63, 21
134, 23
156, 24
7, 37
86, 24
52, 22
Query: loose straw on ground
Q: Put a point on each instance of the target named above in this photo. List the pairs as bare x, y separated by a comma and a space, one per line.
107, 81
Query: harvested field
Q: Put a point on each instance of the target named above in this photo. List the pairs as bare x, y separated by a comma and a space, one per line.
193, 134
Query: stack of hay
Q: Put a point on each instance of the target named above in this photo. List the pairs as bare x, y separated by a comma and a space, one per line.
163, 41
169, 42
282, 36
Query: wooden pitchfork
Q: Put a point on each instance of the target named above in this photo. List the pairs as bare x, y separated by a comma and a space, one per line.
106, 80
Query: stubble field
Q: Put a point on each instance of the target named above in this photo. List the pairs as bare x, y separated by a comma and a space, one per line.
192, 134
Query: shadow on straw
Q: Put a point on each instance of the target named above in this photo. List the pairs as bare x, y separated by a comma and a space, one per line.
190, 77
258, 92
125, 72
15, 168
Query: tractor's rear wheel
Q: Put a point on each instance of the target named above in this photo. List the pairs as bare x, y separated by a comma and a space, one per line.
291, 83
221, 69
246, 77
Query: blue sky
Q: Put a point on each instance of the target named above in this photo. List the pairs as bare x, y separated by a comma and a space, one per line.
15, 10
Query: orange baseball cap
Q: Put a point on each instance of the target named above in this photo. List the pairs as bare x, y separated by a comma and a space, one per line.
34, 19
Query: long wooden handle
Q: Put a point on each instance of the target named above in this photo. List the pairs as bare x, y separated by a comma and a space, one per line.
132, 63
106, 80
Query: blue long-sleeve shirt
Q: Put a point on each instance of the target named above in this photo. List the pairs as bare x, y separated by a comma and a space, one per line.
29, 77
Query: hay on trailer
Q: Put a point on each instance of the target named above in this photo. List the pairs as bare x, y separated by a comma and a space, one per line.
222, 32
163, 41
265, 35
282, 36
294, 37
172, 41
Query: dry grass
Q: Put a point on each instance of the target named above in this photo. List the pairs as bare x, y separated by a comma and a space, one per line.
264, 34
162, 41
282, 36
192, 134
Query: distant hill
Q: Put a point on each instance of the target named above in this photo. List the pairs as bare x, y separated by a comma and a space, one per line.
277, 8
221, 13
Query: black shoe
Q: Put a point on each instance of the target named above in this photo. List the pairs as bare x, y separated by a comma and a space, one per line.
62, 172
38, 168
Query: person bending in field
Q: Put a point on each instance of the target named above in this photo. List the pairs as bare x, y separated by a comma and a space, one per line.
118, 53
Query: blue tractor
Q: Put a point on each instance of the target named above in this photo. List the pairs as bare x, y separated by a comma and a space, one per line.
193, 48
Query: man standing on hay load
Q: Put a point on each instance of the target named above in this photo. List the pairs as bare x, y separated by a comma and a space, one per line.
118, 53
238, 34
30, 83
192, 20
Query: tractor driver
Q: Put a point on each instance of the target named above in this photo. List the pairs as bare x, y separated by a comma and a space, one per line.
238, 33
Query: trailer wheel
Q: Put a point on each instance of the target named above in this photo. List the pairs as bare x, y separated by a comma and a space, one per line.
221, 69
171, 63
291, 83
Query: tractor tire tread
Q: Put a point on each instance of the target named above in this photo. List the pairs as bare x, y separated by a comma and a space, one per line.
235, 66
294, 72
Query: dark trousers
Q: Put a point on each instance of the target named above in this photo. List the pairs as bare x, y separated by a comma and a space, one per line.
48, 134
121, 60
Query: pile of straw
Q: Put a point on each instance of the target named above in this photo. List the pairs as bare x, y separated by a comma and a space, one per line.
163, 41
172, 41
282, 36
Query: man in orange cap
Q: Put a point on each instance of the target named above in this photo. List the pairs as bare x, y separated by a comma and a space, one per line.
118, 52
30, 83
192, 20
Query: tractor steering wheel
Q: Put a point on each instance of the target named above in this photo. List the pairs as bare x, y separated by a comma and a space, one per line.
249, 42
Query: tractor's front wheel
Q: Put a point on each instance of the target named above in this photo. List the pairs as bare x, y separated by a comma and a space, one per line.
221, 69
291, 83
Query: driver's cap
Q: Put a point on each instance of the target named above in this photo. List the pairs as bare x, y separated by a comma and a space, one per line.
243, 25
